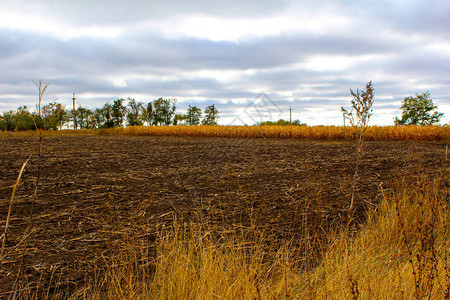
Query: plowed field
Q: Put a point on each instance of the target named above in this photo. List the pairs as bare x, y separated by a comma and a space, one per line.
94, 191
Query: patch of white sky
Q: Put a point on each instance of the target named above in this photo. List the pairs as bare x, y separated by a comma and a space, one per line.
9, 96
47, 25
233, 29
439, 47
434, 45
223, 76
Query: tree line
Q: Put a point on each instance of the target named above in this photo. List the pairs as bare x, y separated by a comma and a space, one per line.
281, 122
416, 110
129, 112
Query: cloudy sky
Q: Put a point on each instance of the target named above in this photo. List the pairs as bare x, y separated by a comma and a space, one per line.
252, 59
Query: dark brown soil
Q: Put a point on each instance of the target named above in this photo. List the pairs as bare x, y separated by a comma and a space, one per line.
95, 190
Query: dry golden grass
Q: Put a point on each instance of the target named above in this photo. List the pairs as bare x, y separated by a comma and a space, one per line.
389, 133
400, 253
191, 263
34, 133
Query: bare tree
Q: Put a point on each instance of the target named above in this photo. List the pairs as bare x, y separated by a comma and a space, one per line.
42, 87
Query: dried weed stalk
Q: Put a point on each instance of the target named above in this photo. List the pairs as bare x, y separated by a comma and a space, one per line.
419, 235
359, 117
42, 88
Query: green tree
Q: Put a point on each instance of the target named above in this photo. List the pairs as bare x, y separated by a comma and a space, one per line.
163, 111
280, 122
135, 115
8, 121
98, 118
54, 115
84, 118
298, 123
179, 119
107, 112
419, 110
118, 112
19, 120
193, 115
148, 113
25, 120
211, 115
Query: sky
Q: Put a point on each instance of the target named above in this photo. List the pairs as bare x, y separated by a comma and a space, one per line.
255, 60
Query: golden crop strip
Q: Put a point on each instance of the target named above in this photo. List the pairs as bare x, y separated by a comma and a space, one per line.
393, 133
373, 133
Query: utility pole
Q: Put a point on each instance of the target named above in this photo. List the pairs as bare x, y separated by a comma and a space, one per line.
75, 125
343, 118
290, 115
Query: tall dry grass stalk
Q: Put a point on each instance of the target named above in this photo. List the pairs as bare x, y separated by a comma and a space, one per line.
11, 200
42, 88
446, 152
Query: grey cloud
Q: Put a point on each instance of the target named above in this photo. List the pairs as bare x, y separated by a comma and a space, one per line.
85, 65
413, 16
113, 12
88, 54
